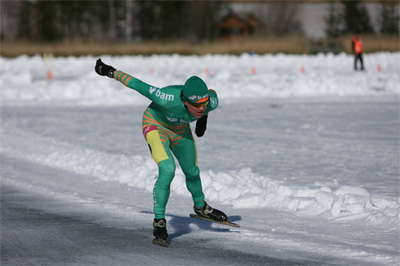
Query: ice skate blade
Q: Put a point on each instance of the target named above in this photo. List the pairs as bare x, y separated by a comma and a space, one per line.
213, 221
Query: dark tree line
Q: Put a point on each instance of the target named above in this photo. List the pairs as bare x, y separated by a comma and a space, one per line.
137, 20
179, 19
352, 17
110, 20
46, 20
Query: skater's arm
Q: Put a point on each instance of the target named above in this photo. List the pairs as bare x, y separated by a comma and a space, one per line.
201, 124
134, 83
126, 79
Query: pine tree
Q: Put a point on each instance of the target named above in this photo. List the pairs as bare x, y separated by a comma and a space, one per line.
388, 18
334, 21
178, 19
26, 28
356, 17
46, 20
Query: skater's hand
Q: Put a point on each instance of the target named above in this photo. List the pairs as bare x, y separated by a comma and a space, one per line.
103, 69
201, 126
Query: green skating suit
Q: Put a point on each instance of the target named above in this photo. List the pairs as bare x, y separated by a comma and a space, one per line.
166, 129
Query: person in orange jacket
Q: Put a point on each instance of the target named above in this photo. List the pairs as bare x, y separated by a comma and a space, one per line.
357, 47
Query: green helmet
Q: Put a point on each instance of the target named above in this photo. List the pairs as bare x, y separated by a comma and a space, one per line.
195, 90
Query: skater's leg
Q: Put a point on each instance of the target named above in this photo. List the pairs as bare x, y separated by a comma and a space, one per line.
186, 153
161, 190
159, 146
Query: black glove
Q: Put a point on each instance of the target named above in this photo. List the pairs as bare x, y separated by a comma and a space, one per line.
201, 126
103, 69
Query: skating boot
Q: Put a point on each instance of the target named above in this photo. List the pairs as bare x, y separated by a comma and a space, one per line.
211, 213
160, 232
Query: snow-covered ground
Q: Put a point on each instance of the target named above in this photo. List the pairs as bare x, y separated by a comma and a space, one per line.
303, 153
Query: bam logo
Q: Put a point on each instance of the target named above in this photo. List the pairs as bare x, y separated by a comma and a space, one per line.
198, 97
164, 96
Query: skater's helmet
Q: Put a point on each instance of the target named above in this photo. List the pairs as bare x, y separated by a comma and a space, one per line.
195, 90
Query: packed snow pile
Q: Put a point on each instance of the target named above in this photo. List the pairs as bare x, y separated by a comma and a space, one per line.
245, 189
246, 76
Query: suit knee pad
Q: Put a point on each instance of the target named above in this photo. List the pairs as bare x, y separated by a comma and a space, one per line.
166, 173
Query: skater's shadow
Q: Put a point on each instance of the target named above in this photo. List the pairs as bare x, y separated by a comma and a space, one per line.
181, 225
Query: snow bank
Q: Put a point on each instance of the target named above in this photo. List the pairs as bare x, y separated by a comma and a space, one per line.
242, 189
245, 76
245, 189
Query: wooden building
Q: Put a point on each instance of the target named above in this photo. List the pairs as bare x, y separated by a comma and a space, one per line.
233, 25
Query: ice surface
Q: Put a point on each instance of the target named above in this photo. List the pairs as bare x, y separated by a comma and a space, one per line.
312, 158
